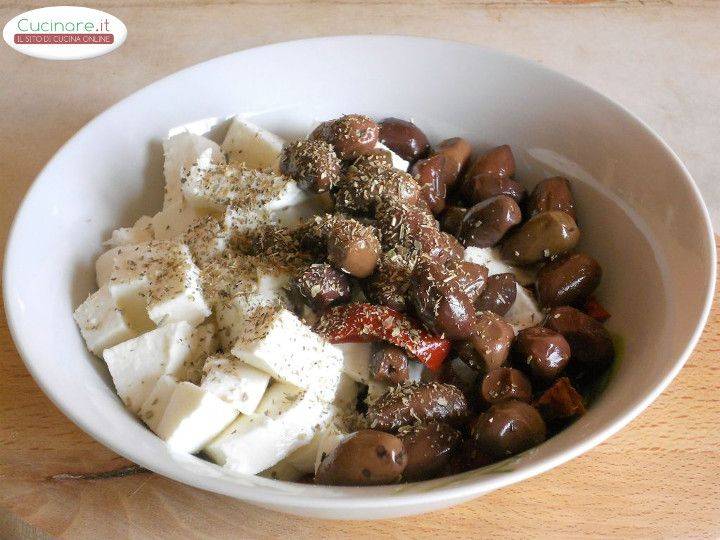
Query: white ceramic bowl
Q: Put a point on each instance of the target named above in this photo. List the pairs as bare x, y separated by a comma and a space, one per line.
640, 212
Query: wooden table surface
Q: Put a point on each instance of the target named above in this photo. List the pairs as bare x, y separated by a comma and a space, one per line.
657, 478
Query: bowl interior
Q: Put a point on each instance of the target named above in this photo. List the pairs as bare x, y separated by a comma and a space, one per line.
638, 209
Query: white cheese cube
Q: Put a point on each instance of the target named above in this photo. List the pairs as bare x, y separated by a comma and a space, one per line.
213, 188
207, 239
356, 360
286, 419
203, 343
345, 396
235, 382
182, 151
102, 322
303, 459
328, 440
280, 344
250, 144
236, 316
284, 470
136, 365
108, 263
116, 269
415, 370
162, 276
193, 417
524, 312
375, 390
153, 408
397, 161
271, 278
174, 219
142, 231
490, 257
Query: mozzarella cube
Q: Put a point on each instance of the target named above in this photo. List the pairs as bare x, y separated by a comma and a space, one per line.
415, 371
328, 440
278, 343
137, 364
162, 276
356, 360
491, 258
102, 322
397, 161
214, 188
524, 312
272, 278
235, 382
142, 231
286, 419
303, 459
182, 151
193, 417
345, 396
284, 470
153, 408
236, 316
375, 390
203, 343
207, 239
250, 144
174, 219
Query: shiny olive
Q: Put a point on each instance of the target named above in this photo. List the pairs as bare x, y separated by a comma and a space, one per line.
467, 457
542, 352
590, 343
456, 372
488, 221
541, 237
352, 135
389, 364
456, 152
552, 194
496, 162
428, 174
321, 286
472, 276
412, 402
451, 218
440, 300
481, 187
491, 175
489, 345
369, 182
312, 163
404, 138
439, 245
353, 248
498, 295
428, 448
389, 284
508, 428
560, 401
400, 223
366, 458
569, 279
504, 383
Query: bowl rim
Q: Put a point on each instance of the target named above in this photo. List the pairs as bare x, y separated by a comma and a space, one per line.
363, 497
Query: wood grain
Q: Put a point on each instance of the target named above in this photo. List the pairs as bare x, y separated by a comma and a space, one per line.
658, 477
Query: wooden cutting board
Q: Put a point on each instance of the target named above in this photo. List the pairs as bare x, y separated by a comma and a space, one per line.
660, 476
